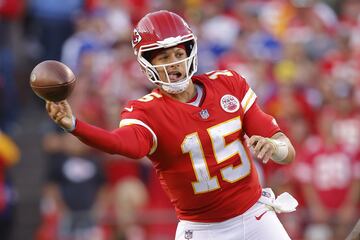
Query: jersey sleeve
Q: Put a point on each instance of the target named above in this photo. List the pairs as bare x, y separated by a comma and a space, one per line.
131, 141
257, 122
134, 114
246, 95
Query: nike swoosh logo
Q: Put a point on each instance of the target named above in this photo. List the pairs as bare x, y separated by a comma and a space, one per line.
130, 109
260, 216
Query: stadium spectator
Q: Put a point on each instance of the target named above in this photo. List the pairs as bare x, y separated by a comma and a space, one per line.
11, 13
9, 155
330, 181
53, 21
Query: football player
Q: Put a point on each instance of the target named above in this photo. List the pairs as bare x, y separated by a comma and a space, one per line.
193, 128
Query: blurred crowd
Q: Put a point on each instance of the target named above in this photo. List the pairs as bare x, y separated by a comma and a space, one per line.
301, 57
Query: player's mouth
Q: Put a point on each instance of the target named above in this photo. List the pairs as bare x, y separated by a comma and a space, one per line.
175, 76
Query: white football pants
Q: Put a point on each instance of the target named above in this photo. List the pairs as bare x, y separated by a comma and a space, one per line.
257, 223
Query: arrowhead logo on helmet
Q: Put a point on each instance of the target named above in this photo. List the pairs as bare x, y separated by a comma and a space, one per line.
136, 38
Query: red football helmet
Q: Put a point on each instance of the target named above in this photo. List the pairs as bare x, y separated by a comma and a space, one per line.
164, 29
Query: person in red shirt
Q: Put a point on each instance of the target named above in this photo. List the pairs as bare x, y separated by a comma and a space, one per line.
330, 179
193, 129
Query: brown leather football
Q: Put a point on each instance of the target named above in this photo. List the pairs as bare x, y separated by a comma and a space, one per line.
52, 80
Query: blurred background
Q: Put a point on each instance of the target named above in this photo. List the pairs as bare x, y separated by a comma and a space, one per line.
301, 57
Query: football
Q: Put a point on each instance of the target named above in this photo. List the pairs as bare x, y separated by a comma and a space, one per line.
52, 80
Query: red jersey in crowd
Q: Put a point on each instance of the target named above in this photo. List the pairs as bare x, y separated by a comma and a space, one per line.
330, 170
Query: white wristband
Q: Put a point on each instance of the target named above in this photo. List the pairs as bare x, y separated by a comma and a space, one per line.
281, 150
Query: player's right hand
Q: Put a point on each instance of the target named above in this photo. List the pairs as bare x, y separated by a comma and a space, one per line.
60, 113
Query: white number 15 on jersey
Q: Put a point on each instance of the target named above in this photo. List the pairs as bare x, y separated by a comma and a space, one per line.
192, 145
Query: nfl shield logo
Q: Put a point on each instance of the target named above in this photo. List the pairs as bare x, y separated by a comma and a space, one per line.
204, 114
266, 194
188, 234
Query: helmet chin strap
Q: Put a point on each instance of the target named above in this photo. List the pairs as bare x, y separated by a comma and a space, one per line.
176, 88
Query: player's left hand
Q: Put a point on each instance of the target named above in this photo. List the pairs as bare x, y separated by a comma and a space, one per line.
262, 147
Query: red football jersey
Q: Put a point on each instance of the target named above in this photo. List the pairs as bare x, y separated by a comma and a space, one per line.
330, 170
199, 153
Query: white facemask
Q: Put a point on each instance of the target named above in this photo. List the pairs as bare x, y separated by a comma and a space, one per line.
168, 86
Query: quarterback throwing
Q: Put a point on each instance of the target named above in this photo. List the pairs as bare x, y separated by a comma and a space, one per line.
193, 128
